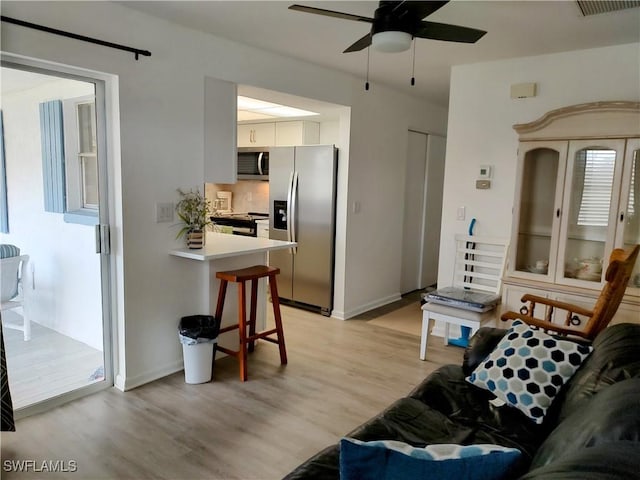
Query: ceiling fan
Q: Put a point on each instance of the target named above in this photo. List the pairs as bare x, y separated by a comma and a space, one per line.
395, 24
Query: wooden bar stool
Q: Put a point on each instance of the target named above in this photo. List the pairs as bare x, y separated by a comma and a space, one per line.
247, 341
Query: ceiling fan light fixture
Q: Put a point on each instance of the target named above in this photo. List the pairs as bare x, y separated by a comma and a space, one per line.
391, 41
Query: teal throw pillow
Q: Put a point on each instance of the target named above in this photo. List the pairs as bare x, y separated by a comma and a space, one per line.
393, 460
528, 368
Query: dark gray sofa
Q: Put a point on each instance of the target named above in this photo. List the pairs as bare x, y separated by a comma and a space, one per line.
591, 431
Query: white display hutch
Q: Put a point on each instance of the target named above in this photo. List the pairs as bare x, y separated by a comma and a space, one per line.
577, 198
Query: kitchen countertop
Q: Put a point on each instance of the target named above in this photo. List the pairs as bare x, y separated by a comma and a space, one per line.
222, 245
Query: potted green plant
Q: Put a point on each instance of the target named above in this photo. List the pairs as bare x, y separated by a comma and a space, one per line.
194, 211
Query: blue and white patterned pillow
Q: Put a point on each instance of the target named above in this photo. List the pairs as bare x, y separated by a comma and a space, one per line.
392, 460
528, 368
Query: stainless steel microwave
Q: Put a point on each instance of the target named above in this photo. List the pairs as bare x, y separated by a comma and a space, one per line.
253, 163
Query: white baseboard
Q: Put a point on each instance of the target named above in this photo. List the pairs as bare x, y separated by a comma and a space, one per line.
365, 308
130, 383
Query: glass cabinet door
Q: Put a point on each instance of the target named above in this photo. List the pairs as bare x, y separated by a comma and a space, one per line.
540, 181
629, 209
590, 203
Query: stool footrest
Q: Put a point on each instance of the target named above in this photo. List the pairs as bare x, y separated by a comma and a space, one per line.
261, 335
228, 351
228, 329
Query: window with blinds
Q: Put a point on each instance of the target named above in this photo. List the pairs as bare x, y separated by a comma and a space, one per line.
597, 168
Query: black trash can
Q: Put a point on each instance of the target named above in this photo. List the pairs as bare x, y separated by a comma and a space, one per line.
199, 338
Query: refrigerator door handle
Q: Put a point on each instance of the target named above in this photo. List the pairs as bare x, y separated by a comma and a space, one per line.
288, 213
293, 213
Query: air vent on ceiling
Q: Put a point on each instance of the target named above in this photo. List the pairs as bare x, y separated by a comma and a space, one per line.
595, 7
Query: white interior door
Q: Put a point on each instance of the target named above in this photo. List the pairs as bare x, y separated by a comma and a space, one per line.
414, 199
422, 210
434, 183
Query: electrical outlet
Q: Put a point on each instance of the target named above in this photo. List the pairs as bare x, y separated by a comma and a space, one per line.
164, 212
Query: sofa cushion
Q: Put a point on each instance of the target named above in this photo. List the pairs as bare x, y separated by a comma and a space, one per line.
609, 461
8, 251
614, 358
612, 415
466, 405
528, 368
322, 466
412, 421
390, 459
480, 346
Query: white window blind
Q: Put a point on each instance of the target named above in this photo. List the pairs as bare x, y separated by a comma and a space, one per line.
597, 186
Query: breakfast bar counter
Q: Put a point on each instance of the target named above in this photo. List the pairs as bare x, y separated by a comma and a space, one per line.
229, 252
223, 245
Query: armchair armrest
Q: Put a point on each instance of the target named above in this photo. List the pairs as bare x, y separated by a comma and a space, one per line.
527, 313
557, 304
543, 324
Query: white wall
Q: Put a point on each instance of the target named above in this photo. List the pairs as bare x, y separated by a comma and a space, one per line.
161, 148
481, 116
64, 291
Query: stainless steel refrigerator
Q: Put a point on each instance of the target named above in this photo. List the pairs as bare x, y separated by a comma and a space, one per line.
302, 197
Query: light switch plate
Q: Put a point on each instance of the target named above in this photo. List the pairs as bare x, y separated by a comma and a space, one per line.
164, 212
483, 184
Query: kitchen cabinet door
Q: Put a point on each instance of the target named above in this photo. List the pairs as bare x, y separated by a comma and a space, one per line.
256, 134
220, 113
297, 133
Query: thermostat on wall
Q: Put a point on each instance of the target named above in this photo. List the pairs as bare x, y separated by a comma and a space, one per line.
523, 90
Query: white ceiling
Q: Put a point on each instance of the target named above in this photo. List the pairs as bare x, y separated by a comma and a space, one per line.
515, 29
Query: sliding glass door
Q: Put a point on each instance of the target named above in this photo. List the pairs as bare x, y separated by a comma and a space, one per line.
55, 177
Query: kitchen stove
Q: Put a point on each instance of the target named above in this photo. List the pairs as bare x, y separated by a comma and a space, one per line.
240, 223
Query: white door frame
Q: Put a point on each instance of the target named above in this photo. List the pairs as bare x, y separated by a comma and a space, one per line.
110, 215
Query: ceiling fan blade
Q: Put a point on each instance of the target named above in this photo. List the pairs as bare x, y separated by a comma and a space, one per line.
330, 13
416, 10
448, 33
361, 44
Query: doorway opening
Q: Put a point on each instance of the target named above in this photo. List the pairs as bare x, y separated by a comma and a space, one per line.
53, 184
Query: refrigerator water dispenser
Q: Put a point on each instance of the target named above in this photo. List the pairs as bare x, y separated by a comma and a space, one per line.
280, 214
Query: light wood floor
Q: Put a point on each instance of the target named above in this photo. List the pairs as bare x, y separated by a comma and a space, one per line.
48, 365
339, 375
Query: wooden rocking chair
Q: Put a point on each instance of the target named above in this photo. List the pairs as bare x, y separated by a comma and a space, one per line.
621, 265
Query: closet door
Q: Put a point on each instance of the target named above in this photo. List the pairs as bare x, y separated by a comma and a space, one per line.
422, 210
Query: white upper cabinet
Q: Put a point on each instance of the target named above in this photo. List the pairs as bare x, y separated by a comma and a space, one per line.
297, 133
577, 195
256, 134
220, 113
278, 134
